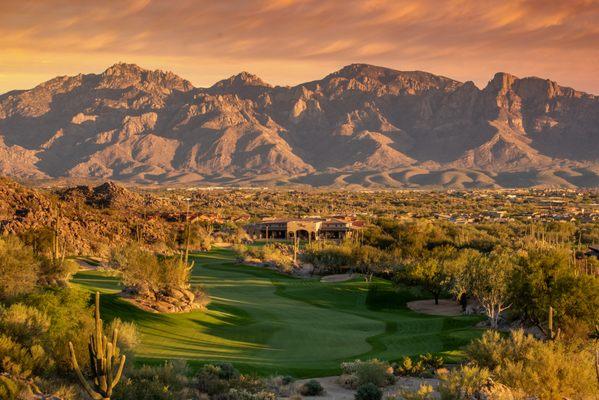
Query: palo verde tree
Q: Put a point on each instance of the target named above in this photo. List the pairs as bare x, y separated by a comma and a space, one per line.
487, 279
434, 271
104, 360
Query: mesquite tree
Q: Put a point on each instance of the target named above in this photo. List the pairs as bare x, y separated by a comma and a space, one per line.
105, 364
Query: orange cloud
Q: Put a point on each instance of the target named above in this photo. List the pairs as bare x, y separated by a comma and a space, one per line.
290, 41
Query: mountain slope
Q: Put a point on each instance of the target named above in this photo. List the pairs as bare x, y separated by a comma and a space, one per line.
360, 125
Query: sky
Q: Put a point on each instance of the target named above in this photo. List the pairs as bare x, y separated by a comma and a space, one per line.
286, 42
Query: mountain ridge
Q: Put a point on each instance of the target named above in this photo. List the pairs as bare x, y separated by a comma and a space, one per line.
360, 125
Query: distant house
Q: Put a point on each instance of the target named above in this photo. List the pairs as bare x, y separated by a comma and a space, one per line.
302, 228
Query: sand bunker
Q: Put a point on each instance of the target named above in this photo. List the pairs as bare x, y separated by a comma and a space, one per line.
337, 278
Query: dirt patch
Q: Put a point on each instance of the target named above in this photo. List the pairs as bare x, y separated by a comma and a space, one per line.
338, 278
334, 391
448, 308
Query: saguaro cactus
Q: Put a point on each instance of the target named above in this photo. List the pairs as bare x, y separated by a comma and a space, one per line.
102, 361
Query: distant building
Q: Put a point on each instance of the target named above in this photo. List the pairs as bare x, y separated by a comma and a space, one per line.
303, 228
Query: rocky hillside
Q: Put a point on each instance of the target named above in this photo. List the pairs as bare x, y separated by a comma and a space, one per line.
90, 221
362, 125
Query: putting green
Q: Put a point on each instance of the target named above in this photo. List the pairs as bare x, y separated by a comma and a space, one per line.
270, 323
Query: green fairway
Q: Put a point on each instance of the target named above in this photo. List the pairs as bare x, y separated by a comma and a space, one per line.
271, 323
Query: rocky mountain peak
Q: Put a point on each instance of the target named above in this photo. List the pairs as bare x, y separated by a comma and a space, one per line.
122, 75
243, 79
122, 68
501, 82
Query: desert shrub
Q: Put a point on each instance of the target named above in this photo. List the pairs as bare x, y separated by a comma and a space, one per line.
430, 361
200, 237
424, 366
409, 367
140, 268
311, 388
56, 272
174, 273
330, 257
22, 361
10, 389
70, 321
128, 337
227, 371
374, 371
165, 382
548, 370
209, 381
214, 379
23, 323
278, 254
144, 271
368, 391
34, 333
424, 392
463, 383
18, 268
223, 382
282, 386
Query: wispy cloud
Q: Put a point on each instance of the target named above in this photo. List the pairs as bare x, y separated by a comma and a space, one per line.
288, 41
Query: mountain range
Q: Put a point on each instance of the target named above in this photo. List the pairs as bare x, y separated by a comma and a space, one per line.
361, 126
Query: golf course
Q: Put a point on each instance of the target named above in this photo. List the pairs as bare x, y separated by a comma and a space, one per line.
271, 323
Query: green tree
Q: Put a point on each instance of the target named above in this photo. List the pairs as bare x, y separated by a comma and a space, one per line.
544, 277
434, 272
488, 278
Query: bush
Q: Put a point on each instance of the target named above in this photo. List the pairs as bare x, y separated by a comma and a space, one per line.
10, 389
279, 254
368, 391
34, 333
426, 365
357, 373
128, 337
18, 268
166, 382
209, 381
311, 388
547, 370
376, 372
71, 321
463, 383
227, 371
144, 271
424, 392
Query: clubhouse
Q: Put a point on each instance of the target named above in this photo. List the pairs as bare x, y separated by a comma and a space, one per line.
303, 228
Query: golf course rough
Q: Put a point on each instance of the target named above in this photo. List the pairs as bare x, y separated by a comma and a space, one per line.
270, 323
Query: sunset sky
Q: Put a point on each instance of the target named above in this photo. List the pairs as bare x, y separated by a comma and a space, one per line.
286, 42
